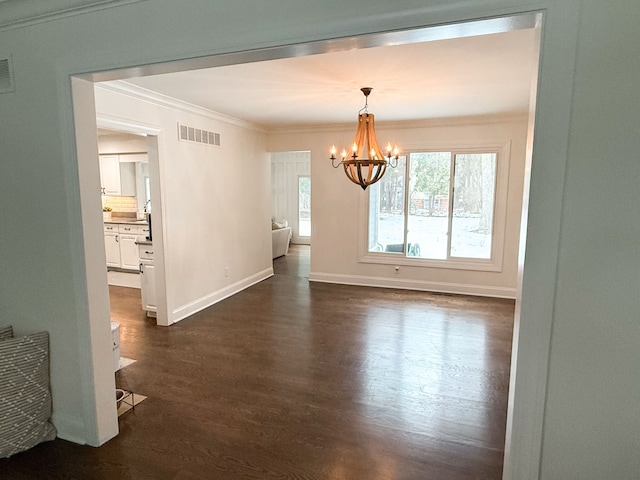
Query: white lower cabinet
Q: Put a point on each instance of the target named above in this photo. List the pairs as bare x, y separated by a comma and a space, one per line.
148, 279
128, 251
120, 244
112, 249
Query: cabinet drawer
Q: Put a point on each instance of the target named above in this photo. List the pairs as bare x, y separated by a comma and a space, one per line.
110, 227
133, 229
145, 252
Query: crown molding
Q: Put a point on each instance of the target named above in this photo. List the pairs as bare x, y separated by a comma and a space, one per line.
140, 93
20, 13
515, 117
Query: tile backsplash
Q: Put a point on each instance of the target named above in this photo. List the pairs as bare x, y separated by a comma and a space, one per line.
120, 204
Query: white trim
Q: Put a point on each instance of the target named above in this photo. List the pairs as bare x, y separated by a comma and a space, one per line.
439, 287
100, 420
110, 122
155, 98
201, 303
386, 258
547, 154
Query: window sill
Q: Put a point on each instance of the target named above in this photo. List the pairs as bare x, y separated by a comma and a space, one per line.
452, 264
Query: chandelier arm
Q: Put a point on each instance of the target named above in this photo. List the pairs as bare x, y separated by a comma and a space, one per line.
333, 160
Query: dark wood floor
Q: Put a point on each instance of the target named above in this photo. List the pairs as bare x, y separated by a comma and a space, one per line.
304, 381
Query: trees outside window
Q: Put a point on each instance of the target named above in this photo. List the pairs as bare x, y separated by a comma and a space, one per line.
445, 210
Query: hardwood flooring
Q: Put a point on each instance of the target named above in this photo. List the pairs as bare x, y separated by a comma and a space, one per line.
304, 381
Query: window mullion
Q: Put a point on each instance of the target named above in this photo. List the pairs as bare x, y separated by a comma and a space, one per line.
407, 185
452, 174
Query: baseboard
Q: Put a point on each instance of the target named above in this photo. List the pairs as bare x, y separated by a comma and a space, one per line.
185, 311
69, 428
440, 287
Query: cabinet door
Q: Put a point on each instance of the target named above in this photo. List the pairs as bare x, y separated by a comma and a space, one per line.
112, 249
128, 251
110, 174
148, 285
127, 179
117, 178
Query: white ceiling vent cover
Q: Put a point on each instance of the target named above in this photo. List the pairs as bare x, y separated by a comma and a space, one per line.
6, 76
197, 135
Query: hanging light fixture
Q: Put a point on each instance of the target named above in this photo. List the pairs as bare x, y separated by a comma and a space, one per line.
366, 163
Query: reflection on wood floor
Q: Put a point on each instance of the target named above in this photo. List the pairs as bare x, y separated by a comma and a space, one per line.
298, 380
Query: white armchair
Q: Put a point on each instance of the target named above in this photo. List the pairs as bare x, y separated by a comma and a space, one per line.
280, 239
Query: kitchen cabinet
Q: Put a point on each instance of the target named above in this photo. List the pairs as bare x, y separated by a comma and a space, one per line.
120, 244
112, 248
147, 279
128, 247
117, 178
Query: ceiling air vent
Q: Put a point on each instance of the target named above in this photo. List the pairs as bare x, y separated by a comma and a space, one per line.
197, 135
6, 76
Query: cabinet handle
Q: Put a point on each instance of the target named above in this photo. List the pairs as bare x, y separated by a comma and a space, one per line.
141, 269
127, 228
117, 241
148, 252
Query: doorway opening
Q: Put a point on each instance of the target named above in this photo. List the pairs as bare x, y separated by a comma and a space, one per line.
291, 193
217, 61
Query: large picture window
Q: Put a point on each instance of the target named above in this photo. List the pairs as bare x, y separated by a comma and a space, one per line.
436, 206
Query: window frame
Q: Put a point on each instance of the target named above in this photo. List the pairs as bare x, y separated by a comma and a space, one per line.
495, 262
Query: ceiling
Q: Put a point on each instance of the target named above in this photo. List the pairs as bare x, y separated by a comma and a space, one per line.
477, 75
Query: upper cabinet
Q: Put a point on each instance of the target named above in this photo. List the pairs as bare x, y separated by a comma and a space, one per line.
118, 175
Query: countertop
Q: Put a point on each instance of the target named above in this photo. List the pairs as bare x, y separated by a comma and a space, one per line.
129, 221
142, 240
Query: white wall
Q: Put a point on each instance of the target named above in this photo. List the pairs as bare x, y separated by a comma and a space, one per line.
215, 219
338, 224
580, 277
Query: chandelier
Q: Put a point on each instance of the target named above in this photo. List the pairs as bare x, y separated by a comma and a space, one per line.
358, 168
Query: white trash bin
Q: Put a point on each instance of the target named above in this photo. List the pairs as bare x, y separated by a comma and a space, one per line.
115, 334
